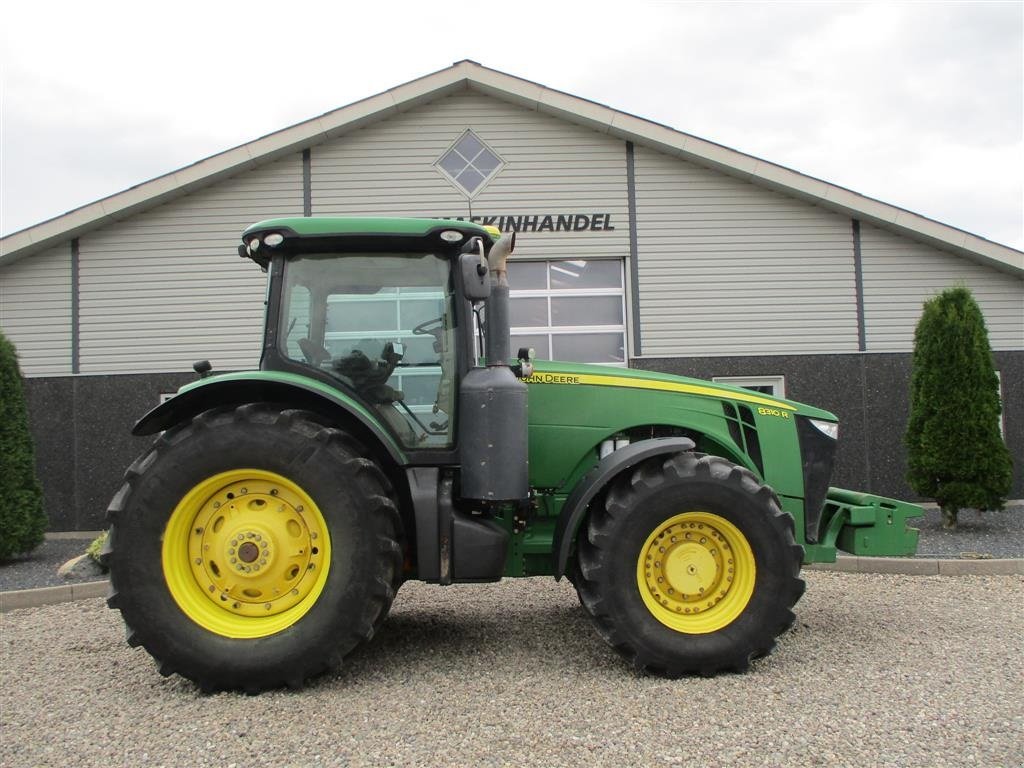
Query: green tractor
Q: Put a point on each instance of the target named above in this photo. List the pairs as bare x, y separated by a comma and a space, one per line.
390, 434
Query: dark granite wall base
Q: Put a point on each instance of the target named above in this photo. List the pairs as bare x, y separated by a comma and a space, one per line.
82, 431
870, 393
82, 424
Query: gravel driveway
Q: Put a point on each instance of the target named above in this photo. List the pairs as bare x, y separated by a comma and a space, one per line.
879, 671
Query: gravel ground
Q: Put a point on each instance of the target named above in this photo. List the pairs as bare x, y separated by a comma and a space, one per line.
991, 534
995, 534
879, 671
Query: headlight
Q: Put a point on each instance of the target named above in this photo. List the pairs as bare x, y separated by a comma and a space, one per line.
827, 428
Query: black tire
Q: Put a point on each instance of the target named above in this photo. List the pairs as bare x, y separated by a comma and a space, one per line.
357, 510
637, 505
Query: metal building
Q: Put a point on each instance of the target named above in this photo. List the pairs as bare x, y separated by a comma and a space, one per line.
640, 245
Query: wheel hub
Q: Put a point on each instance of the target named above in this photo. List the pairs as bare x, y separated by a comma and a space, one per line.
254, 549
247, 552
696, 572
686, 567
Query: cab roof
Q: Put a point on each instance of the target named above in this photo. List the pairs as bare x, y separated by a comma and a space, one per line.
348, 233
321, 226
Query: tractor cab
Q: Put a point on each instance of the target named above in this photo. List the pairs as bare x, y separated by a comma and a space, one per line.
380, 309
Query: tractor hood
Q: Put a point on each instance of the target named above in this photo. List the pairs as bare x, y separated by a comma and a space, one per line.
547, 372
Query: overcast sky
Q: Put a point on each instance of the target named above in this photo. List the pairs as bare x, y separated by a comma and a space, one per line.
917, 104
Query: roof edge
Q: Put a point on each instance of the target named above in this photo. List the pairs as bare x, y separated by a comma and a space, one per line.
529, 94
203, 172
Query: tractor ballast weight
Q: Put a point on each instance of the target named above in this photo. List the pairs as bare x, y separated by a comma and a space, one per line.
384, 438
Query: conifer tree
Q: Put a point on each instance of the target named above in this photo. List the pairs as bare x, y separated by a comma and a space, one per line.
22, 519
955, 452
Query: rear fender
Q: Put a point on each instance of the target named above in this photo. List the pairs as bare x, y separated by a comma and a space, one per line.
274, 387
575, 507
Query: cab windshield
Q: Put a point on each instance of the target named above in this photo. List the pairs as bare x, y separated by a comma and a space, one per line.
381, 324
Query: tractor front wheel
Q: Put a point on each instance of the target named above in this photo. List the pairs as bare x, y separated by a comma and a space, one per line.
689, 566
252, 548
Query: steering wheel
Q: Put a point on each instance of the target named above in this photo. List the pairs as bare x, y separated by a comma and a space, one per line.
313, 354
429, 327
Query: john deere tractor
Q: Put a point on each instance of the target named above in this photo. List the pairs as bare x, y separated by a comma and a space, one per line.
390, 434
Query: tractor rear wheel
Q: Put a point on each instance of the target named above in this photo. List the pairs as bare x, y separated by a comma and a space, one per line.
690, 566
252, 548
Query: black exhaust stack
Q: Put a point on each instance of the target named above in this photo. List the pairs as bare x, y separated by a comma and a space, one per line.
492, 418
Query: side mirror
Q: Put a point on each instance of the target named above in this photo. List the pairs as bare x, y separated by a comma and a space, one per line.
473, 272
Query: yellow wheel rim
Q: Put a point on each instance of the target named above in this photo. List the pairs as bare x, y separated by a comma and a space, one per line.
696, 572
246, 553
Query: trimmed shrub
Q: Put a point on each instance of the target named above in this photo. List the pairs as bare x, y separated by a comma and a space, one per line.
22, 519
955, 452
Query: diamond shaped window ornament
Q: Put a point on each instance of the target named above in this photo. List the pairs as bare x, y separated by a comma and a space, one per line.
469, 163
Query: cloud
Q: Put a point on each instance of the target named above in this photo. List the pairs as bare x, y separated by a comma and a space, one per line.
917, 104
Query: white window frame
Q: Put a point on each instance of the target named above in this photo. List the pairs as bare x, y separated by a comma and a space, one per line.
550, 293
777, 383
1002, 407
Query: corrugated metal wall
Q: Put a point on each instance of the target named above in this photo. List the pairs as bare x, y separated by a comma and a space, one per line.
724, 267
35, 311
729, 268
165, 287
550, 167
900, 274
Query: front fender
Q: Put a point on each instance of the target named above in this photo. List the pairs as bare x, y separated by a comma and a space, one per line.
264, 386
590, 485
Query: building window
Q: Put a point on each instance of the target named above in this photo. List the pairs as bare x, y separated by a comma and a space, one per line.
469, 163
1002, 407
569, 310
775, 386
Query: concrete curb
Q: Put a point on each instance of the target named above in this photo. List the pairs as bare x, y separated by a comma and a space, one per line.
34, 598
921, 566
